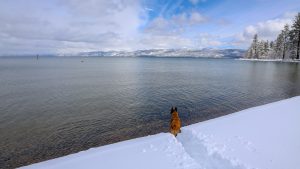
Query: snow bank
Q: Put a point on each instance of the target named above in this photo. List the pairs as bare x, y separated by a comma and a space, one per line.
264, 137
157, 151
271, 60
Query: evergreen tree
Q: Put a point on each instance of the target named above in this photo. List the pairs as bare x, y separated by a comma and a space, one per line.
255, 46
271, 52
252, 52
285, 36
279, 45
260, 49
266, 48
295, 36
271, 44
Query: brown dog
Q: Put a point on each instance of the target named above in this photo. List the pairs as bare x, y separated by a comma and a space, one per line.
175, 123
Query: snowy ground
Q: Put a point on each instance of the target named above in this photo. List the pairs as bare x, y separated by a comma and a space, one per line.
271, 60
264, 137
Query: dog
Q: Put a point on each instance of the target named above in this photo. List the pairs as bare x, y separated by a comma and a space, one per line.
175, 123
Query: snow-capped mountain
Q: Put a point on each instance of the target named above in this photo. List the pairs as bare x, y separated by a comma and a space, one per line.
210, 53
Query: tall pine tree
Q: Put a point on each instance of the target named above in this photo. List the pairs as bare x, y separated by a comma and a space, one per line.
279, 45
285, 34
295, 35
255, 46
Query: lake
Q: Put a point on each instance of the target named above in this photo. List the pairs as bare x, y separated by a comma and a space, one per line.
56, 106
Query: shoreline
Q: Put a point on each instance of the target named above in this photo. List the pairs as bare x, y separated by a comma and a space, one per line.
240, 140
270, 60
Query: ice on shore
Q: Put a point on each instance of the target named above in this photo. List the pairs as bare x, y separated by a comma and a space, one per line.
264, 137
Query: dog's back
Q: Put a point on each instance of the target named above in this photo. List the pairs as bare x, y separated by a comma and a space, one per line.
175, 123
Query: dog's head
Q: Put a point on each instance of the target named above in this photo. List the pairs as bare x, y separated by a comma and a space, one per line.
173, 110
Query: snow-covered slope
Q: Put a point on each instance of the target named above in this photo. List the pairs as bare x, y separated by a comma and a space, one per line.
206, 53
264, 137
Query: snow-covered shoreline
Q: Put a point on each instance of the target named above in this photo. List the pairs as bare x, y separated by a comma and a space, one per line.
261, 137
270, 60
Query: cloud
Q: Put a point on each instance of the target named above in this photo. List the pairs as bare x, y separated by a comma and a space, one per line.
167, 41
208, 40
69, 24
176, 24
195, 2
148, 9
266, 30
174, 32
186, 19
178, 41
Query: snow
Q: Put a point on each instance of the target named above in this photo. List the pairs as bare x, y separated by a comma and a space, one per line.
264, 137
157, 151
271, 60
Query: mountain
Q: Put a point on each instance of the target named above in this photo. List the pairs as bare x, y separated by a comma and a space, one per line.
205, 53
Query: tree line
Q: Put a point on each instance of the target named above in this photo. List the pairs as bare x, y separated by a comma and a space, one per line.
286, 45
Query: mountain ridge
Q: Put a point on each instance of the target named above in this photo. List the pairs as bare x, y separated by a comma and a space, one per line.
205, 53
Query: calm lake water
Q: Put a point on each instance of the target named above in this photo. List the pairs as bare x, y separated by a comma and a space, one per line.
56, 106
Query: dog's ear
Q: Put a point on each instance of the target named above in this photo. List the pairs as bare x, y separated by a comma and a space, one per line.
176, 109
172, 110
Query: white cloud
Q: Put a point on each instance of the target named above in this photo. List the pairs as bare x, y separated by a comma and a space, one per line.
167, 41
179, 41
186, 19
208, 40
197, 18
176, 24
266, 30
68, 24
173, 32
74, 25
195, 2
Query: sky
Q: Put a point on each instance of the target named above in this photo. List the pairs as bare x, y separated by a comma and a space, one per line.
71, 26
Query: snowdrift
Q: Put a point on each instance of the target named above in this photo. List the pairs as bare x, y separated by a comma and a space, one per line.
264, 137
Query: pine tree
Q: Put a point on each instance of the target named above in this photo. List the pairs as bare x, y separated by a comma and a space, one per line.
295, 35
260, 49
252, 52
279, 45
285, 35
255, 46
271, 52
266, 48
271, 44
